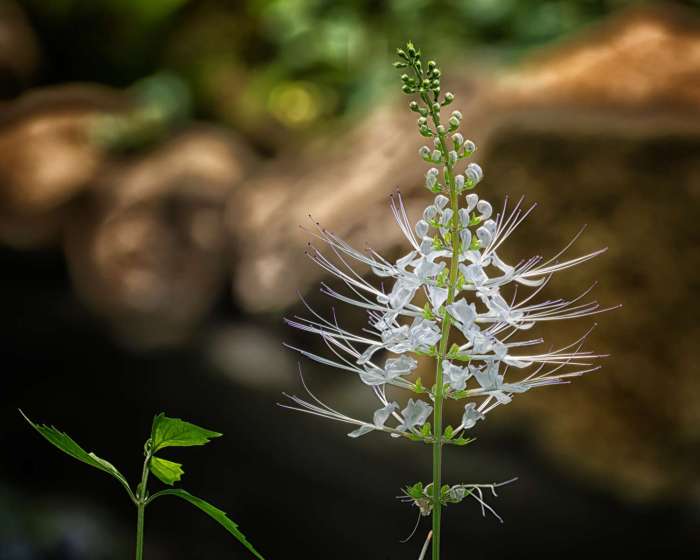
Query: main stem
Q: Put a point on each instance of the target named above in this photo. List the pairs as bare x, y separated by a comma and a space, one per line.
141, 498
442, 350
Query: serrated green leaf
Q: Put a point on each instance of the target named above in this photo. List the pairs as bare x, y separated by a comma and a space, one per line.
461, 441
415, 491
66, 444
215, 513
167, 472
173, 432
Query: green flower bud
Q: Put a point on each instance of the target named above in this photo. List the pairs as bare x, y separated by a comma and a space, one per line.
405, 78
441, 129
407, 89
449, 98
436, 107
437, 73
454, 122
431, 65
401, 53
435, 83
400, 65
413, 106
457, 115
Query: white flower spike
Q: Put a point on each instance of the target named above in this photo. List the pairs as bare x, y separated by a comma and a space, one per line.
454, 266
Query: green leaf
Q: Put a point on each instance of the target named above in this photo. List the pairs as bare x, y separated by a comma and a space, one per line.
461, 441
213, 512
166, 471
66, 444
173, 432
449, 430
415, 491
418, 386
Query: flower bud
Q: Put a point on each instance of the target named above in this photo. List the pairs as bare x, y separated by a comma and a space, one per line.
441, 201
472, 199
452, 157
449, 97
484, 208
422, 121
484, 236
429, 213
440, 129
474, 174
459, 182
437, 156
458, 140
469, 147
422, 228
424, 152
413, 106
457, 115
463, 217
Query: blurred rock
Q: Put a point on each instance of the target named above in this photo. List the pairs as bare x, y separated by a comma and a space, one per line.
643, 58
48, 157
148, 250
603, 131
19, 50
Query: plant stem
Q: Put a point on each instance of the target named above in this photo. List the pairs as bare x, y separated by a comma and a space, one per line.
139, 531
442, 350
141, 500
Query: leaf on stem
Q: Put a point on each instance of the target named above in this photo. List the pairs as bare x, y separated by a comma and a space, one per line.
215, 513
173, 432
66, 444
166, 471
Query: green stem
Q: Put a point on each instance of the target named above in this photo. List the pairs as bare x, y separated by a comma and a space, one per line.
141, 501
442, 350
139, 531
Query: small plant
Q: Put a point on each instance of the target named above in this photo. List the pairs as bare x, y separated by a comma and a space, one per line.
165, 432
452, 299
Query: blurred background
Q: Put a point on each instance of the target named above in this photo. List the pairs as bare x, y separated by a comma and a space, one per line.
156, 159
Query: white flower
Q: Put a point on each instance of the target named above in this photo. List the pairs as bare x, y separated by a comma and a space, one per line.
455, 376
471, 416
415, 414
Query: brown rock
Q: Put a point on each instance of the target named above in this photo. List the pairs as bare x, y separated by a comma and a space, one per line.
48, 157
148, 250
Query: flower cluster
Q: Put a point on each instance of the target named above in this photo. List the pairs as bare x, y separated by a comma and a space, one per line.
401, 331
452, 276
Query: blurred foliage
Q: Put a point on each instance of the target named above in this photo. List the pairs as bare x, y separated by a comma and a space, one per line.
260, 64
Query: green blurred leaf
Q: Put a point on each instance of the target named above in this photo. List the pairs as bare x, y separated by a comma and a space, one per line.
215, 513
66, 444
173, 432
167, 472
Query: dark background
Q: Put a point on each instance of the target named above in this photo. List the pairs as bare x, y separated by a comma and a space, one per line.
155, 161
